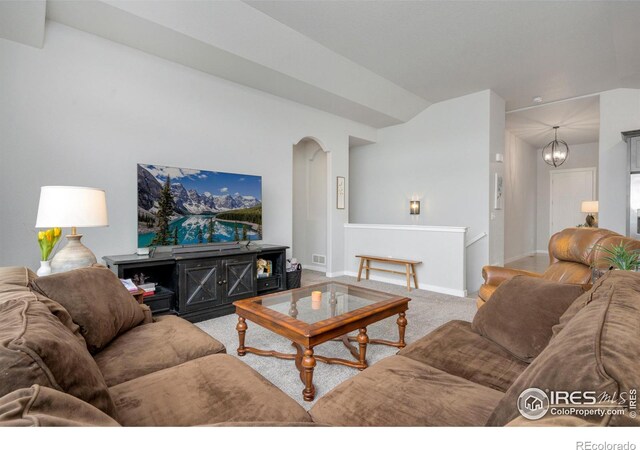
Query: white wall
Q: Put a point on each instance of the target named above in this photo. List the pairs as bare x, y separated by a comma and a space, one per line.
84, 111
496, 145
520, 210
441, 157
309, 203
619, 111
580, 156
441, 250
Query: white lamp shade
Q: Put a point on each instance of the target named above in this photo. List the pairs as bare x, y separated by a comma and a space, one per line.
71, 206
590, 207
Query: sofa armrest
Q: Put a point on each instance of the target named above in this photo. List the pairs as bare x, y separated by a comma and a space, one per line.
494, 275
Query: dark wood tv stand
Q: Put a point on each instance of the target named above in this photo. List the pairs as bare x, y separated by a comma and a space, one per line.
203, 284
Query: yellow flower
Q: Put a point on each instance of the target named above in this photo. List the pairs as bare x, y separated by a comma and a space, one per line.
40, 235
49, 234
57, 232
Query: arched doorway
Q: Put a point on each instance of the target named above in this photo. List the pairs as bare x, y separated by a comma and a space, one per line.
309, 244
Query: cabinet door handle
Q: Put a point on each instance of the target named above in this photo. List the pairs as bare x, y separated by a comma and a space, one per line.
219, 283
224, 281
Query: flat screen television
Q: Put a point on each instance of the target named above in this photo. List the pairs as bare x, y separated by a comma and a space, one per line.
186, 206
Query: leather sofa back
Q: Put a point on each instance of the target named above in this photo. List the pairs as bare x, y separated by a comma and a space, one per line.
573, 251
576, 244
568, 272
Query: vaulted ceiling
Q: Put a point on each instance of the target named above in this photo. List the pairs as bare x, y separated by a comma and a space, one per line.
376, 62
444, 49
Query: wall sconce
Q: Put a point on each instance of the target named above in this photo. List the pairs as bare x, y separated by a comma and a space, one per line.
414, 207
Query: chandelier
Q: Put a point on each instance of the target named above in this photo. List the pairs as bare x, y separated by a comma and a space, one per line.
555, 153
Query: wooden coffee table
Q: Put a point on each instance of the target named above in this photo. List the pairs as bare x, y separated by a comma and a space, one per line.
308, 319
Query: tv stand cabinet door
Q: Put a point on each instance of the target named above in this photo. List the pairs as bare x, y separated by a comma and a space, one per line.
199, 285
239, 278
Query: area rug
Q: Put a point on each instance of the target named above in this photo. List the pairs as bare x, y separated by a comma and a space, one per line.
427, 311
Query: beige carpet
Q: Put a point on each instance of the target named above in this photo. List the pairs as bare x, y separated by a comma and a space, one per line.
427, 311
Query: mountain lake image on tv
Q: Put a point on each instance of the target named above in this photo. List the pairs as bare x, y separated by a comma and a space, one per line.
186, 206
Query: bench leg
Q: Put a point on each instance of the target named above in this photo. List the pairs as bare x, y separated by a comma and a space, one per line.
360, 269
415, 276
367, 267
408, 268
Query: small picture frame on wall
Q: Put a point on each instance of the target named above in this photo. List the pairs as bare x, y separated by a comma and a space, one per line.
498, 192
340, 192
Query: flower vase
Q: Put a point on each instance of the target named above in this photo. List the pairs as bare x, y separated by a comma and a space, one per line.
45, 269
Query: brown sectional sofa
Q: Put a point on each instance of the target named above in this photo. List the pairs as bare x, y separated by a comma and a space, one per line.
168, 372
456, 377
162, 372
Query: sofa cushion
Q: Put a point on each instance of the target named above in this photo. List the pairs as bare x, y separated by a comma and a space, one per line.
520, 314
54, 307
213, 389
577, 306
96, 300
598, 350
16, 276
62, 314
167, 342
399, 391
456, 349
39, 406
36, 348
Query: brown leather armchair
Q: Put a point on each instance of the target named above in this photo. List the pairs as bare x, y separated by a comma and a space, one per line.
572, 253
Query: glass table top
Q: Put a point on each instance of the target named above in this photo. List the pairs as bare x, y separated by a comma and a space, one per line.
324, 301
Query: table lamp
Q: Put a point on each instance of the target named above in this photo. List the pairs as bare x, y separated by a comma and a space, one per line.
72, 206
591, 208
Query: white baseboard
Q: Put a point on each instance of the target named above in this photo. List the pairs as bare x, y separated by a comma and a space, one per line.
402, 282
334, 274
542, 252
315, 268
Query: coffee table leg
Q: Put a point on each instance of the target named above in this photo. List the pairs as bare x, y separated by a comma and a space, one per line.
402, 325
242, 329
363, 340
308, 363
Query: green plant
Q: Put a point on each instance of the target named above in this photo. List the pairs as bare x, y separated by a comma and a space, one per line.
620, 256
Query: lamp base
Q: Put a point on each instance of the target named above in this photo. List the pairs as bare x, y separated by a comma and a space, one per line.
73, 256
591, 221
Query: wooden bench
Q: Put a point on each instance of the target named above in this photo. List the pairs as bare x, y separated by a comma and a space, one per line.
410, 267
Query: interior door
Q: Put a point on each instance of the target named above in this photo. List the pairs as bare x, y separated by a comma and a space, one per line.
569, 188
